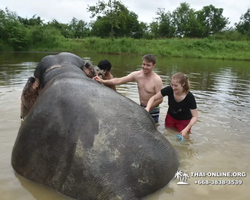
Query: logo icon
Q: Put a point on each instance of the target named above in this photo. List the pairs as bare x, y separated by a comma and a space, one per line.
182, 177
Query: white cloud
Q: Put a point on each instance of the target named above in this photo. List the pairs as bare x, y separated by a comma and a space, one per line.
65, 10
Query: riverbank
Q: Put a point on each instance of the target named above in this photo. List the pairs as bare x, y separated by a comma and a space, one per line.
188, 48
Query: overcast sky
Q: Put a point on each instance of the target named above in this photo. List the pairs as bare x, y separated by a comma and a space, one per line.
64, 10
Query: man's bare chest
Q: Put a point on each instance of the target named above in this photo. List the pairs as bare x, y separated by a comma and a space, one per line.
146, 85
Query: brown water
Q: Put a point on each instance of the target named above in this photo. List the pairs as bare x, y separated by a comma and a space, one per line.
220, 140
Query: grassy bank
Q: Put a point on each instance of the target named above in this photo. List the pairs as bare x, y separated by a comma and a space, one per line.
193, 48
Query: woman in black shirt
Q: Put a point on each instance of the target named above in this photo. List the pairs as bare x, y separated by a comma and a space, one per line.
182, 111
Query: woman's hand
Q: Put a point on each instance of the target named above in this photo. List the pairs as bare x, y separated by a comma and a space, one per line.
147, 109
184, 132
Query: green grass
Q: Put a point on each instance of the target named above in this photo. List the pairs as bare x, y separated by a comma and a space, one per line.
191, 48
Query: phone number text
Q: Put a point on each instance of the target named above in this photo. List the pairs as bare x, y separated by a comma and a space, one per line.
218, 182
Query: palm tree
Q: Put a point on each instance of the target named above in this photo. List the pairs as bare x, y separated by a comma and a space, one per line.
185, 177
178, 174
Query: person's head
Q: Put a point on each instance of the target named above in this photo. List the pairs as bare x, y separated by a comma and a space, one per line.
104, 65
180, 83
89, 70
149, 58
148, 63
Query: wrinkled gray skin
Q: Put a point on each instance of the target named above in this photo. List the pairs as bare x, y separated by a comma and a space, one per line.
31, 89
88, 142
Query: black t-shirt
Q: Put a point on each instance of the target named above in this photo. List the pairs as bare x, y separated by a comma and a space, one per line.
179, 110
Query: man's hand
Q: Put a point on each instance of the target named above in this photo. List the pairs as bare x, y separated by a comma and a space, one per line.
98, 79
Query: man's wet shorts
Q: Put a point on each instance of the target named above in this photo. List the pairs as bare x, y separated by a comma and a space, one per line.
155, 112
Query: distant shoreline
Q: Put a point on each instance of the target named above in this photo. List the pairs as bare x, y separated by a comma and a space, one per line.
183, 48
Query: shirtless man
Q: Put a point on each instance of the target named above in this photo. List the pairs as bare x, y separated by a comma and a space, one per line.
148, 82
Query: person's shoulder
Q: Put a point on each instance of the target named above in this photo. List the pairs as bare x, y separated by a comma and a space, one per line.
109, 75
168, 88
136, 73
167, 91
157, 77
190, 95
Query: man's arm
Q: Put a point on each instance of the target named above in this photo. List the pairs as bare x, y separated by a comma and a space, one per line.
158, 87
117, 81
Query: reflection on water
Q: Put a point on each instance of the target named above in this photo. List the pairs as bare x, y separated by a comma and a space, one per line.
219, 141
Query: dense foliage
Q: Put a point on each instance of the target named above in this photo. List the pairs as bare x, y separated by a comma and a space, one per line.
114, 20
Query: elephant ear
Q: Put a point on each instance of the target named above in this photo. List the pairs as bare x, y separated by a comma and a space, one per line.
29, 96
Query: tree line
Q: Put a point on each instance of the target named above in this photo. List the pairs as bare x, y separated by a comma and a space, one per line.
114, 20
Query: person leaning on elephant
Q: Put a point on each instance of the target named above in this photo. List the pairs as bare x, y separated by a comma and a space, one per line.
148, 82
105, 67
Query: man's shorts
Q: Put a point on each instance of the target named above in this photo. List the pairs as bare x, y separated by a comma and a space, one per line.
179, 124
155, 112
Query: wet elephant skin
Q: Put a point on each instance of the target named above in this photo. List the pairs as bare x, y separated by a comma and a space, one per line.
89, 142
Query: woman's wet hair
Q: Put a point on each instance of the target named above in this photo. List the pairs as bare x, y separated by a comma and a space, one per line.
183, 80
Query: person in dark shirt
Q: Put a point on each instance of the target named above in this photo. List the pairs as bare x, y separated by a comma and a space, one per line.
182, 111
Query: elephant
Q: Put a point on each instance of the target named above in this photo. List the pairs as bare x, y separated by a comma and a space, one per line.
87, 141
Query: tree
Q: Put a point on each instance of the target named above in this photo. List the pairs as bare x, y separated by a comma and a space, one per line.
109, 10
63, 28
100, 28
195, 28
13, 33
18, 37
191, 23
163, 26
2, 24
115, 20
244, 25
181, 19
212, 20
79, 28
45, 36
34, 21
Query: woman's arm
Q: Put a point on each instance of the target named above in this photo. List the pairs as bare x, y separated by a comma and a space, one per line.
158, 88
154, 98
193, 120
